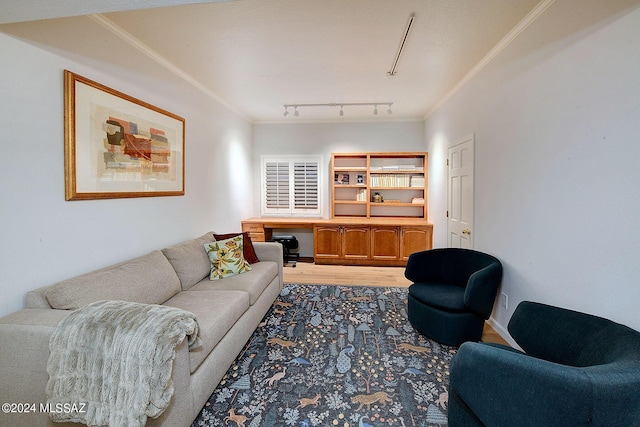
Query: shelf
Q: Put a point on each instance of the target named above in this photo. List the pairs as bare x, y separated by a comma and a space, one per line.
406, 171
396, 204
391, 174
350, 169
398, 188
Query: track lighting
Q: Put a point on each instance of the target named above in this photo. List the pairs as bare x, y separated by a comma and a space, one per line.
392, 71
296, 113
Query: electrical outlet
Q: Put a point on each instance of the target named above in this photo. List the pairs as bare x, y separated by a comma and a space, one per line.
504, 300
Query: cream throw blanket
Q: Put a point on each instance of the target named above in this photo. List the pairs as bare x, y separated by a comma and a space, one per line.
116, 357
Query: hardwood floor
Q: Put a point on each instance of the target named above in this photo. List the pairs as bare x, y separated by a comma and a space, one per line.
307, 272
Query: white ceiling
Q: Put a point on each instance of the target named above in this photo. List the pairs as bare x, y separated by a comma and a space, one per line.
257, 55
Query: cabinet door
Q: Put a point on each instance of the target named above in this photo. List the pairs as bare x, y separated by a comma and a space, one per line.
355, 242
414, 239
327, 242
385, 243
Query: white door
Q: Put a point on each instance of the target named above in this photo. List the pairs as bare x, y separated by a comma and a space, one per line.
460, 194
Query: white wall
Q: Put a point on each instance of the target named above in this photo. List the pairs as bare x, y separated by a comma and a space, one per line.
324, 139
44, 238
556, 118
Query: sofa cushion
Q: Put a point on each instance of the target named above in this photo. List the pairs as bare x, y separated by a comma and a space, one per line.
226, 258
189, 260
247, 245
149, 279
216, 312
253, 282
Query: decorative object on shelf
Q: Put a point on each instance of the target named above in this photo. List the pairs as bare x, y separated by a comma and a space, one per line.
360, 179
377, 198
341, 178
117, 146
341, 105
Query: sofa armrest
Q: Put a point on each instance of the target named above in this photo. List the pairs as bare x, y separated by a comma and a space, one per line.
271, 251
503, 388
37, 298
24, 351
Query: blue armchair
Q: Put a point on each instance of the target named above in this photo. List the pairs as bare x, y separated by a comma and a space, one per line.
576, 370
452, 294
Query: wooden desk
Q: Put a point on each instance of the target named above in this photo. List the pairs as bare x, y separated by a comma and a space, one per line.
353, 241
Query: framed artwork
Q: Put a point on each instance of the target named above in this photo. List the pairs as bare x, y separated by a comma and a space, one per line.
118, 146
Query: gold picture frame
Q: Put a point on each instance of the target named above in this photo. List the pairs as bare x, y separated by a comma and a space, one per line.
117, 146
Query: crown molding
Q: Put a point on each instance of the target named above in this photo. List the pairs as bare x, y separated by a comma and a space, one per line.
502, 44
170, 66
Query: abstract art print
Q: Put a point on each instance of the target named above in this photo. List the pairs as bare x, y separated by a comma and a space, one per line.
117, 146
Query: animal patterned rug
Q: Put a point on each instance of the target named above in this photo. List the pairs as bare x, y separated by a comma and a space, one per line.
330, 355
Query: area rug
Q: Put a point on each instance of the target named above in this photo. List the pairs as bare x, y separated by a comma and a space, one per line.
329, 355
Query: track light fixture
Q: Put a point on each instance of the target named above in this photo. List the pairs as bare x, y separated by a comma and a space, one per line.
335, 104
392, 71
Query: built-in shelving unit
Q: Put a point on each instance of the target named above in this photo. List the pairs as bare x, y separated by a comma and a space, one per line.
399, 178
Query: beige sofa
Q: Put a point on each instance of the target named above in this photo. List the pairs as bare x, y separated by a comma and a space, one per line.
227, 311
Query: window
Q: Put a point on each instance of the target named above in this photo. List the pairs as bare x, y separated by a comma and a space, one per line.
291, 185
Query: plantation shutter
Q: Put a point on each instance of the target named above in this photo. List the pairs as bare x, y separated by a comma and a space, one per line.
305, 184
277, 185
291, 185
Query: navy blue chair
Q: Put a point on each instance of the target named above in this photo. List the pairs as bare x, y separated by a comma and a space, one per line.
452, 294
576, 370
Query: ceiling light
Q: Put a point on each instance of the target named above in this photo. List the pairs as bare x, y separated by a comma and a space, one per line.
341, 105
392, 72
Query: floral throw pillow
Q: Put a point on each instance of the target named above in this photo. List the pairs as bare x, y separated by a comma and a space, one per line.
226, 258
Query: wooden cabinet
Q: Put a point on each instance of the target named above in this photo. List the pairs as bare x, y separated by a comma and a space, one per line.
399, 178
340, 243
414, 239
375, 244
385, 243
353, 241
